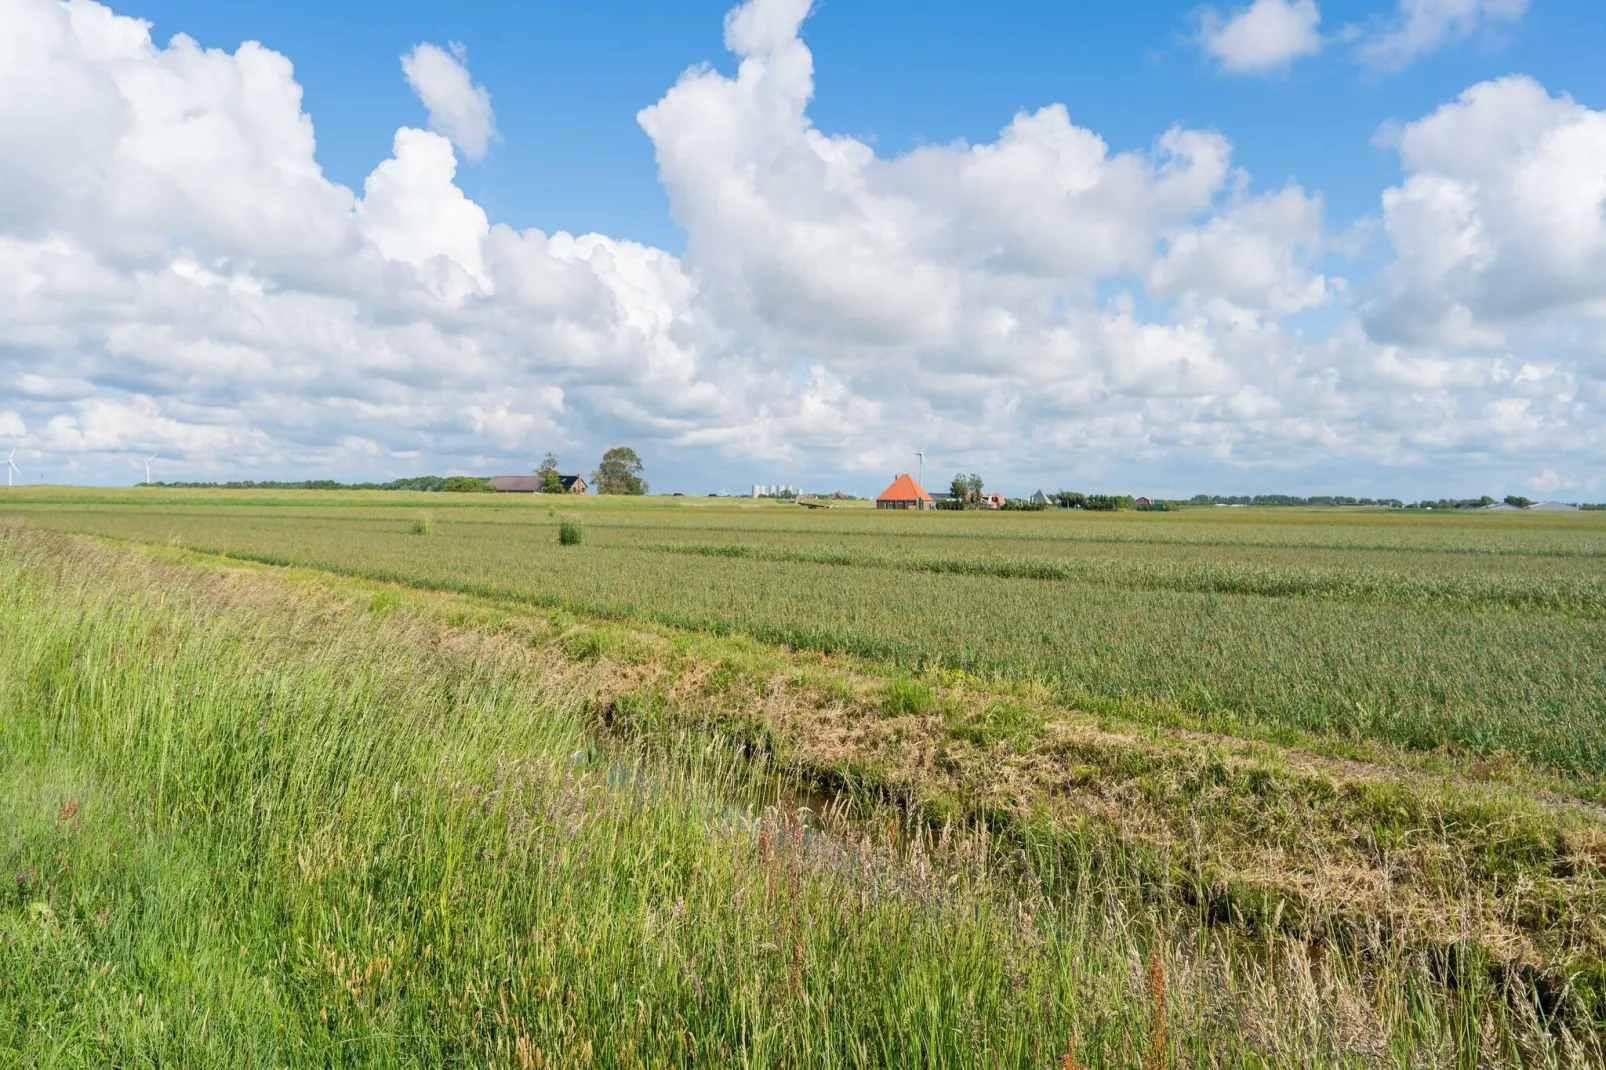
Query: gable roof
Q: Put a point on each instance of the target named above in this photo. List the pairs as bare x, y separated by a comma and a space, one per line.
904, 489
569, 481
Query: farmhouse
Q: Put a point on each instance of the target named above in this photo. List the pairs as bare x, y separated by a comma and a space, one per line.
904, 493
533, 484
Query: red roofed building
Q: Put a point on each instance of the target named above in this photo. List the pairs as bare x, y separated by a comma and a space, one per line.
905, 493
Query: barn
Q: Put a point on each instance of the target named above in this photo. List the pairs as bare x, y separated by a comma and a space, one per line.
904, 493
534, 484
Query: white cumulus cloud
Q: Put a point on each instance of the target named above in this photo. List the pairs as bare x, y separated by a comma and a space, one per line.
1266, 35
457, 107
1500, 224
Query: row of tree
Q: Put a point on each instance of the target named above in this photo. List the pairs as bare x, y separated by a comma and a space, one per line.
967, 489
450, 484
619, 472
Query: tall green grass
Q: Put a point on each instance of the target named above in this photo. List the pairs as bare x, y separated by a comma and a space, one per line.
243, 827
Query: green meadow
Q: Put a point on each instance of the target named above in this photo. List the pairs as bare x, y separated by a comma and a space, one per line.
302, 778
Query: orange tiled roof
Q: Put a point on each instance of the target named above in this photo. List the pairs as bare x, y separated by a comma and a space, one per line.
904, 489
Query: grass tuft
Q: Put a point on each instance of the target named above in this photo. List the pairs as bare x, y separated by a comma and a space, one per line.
569, 533
1004, 721
903, 696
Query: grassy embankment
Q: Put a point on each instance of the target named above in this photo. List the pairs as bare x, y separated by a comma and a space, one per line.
327, 821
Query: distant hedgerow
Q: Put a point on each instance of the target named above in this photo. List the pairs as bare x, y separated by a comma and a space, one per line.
468, 485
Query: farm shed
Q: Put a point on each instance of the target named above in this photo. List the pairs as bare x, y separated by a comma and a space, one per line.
1039, 498
904, 493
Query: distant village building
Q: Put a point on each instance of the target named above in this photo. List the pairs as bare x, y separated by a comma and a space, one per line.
1554, 507
990, 501
775, 490
1039, 498
533, 484
1145, 501
904, 493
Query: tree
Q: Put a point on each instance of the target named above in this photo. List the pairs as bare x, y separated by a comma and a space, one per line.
619, 473
959, 490
1518, 500
467, 485
551, 482
973, 484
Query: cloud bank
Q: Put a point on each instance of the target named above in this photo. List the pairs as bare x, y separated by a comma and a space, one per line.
177, 275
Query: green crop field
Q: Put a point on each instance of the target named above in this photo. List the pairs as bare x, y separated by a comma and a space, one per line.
1215, 787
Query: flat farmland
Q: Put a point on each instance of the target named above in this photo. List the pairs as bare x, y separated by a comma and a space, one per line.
1483, 631
401, 779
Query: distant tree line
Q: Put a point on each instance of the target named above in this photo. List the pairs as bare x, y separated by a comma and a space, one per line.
1098, 503
1291, 500
619, 473
424, 483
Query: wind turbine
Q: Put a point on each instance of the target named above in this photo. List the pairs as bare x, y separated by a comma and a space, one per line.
148, 461
921, 478
11, 467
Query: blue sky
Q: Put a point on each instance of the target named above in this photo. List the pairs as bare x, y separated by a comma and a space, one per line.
568, 76
1329, 246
